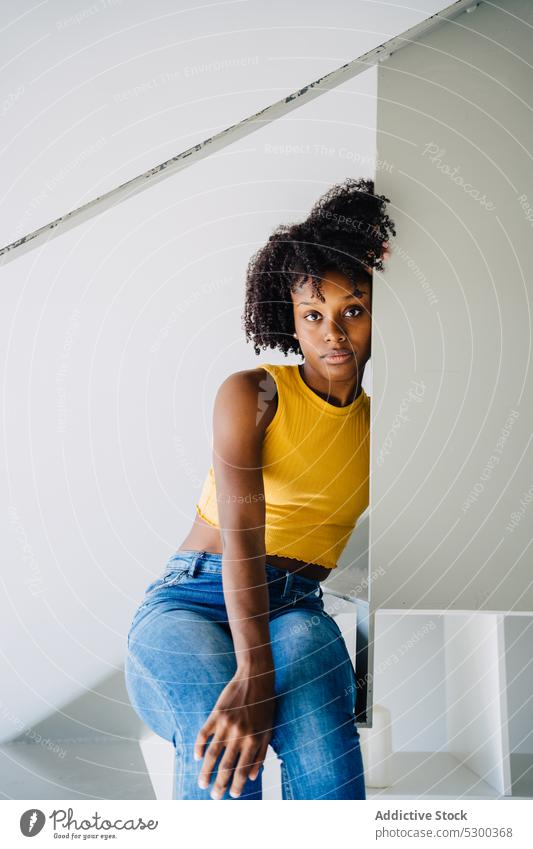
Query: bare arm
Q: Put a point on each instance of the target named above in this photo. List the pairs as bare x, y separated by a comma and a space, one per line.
237, 462
242, 718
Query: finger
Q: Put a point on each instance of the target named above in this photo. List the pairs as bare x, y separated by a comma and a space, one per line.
259, 758
246, 760
213, 751
202, 737
225, 770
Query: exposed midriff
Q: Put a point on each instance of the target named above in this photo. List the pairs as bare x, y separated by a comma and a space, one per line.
206, 537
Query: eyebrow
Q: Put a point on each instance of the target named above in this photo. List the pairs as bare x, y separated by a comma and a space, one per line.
357, 294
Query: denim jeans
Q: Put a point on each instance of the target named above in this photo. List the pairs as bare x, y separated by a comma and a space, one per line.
180, 656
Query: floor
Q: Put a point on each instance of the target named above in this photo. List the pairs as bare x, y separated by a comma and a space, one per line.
79, 770
92, 769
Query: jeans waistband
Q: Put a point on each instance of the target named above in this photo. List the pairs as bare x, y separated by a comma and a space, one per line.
210, 561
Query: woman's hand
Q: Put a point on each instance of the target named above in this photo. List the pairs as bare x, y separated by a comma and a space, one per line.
241, 722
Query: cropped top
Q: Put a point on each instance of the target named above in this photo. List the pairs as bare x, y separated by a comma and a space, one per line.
315, 472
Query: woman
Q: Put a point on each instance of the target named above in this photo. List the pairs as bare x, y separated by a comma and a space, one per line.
231, 649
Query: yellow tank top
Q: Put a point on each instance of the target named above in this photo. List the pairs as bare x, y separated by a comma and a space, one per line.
315, 472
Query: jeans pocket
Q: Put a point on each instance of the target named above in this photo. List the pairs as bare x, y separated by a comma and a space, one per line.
312, 598
169, 578
172, 577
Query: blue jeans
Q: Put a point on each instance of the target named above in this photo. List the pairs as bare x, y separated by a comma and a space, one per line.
180, 657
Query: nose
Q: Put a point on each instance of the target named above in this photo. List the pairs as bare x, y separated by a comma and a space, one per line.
334, 331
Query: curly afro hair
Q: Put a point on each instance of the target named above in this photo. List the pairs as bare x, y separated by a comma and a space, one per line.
347, 230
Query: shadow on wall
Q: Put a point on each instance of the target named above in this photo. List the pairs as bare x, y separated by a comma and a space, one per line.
103, 713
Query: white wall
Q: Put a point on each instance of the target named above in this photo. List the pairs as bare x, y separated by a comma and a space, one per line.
451, 465
519, 670
115, 336
410, 679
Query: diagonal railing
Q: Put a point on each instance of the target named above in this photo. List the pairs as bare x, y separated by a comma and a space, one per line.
229, 135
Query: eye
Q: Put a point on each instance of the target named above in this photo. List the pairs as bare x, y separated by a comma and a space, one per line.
310, 315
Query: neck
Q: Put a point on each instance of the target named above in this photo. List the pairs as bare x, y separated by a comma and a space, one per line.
340, 393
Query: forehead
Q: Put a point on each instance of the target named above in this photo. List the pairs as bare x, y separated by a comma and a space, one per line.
334, 285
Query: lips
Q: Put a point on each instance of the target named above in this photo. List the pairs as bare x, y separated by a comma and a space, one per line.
338, 356
337, 352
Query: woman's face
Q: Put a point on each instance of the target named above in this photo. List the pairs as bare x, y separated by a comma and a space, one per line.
343, 320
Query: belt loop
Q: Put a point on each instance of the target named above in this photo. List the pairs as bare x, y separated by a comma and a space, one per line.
193, 565
288, 582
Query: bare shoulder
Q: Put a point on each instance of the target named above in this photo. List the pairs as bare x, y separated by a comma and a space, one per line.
249, 397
